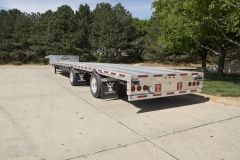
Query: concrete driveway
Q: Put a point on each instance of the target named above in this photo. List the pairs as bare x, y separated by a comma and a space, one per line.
43, 117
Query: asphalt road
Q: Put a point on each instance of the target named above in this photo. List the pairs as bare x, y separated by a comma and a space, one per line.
43, 117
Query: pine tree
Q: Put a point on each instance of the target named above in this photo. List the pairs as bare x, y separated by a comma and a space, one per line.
5, 35
112, 31
126, 32
61, 31
22, 31
83, 19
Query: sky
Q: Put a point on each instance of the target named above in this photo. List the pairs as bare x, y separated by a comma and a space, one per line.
139, 8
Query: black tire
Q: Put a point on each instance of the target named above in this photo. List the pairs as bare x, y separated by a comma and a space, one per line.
96, 85
72, 77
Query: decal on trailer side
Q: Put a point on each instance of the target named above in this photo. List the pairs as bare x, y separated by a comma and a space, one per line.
81, 77
110, 88
158, 87
179, 85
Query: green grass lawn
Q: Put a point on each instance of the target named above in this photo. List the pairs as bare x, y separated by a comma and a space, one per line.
221, 85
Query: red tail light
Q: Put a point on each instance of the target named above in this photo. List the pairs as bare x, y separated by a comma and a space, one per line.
144, 87
189, 84
194, 83
198, 83
139, 88
132, 88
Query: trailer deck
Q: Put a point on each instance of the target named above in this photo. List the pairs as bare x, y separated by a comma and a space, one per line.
140, 82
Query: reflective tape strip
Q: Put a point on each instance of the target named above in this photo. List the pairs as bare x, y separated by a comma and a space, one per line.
142, 76
182, 91
143, 96
122, 75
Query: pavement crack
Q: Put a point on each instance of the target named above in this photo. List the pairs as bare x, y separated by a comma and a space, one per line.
163, 150
223, 120
109, 149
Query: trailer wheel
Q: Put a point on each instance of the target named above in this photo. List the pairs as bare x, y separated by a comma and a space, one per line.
95, 85
72, 77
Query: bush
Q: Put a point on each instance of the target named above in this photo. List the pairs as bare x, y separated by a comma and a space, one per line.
16, 63
101, 59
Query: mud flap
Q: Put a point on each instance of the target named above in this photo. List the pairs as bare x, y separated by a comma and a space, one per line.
81, 78
110, 88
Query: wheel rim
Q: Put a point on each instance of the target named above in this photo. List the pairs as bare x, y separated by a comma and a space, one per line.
71, 77
94, 85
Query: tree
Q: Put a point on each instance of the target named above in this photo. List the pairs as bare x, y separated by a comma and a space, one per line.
125, 32
199, 26
219, 23
44, 34
22, 31
112, 31
99, 28
7, 33
141, 27
172, 22
83, 18
60, 33
152, 48
37, 38
107, 33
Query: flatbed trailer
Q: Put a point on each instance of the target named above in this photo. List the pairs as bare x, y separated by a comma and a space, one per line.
106, 79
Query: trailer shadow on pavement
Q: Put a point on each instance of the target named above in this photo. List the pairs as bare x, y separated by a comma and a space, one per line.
150, 105
63, 73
